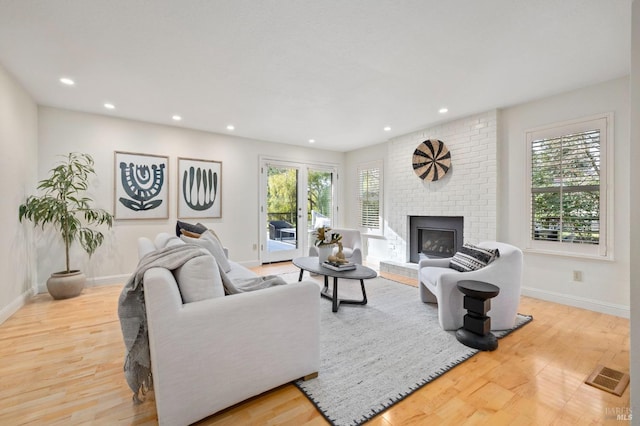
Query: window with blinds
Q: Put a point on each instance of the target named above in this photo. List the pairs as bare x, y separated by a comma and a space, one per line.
566, 168
370, 195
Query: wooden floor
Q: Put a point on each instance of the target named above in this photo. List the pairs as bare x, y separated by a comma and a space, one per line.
61, 364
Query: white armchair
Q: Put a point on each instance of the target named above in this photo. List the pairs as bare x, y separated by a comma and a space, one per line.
351, 245
437, 284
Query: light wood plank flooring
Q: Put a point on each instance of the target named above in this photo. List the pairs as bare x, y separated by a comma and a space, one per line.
61, 364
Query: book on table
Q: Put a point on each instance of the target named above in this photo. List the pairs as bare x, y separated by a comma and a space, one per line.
339, 266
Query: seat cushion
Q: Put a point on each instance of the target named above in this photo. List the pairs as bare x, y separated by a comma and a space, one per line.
239, 272
431, 274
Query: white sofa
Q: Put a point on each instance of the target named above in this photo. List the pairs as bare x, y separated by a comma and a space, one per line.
211, 354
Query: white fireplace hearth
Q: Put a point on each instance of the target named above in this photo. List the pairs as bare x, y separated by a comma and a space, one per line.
404, 269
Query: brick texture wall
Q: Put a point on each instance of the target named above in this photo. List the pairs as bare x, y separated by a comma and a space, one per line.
468, 189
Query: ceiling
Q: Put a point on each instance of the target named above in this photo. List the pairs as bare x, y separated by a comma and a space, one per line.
288, 71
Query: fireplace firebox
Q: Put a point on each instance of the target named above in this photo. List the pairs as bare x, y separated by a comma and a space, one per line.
434, 236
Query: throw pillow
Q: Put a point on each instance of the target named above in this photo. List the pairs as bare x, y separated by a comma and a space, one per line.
209, 242
173, 241
162, 239
472, 258
199, 279
189, 234
196, 229
213, 233
209, 234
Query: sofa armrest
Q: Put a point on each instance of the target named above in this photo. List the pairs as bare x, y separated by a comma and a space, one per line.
211, 354
439, 263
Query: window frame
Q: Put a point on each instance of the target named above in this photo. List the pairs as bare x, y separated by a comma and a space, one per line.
370, 165
604, 248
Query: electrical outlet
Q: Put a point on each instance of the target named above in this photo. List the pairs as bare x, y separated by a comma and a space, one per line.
577, 276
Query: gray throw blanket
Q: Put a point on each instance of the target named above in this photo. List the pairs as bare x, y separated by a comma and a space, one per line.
133, 315
242, 285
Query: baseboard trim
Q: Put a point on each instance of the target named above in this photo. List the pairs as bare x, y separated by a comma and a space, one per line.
249, 263
108, 280
96, 281
578, 302
13, 307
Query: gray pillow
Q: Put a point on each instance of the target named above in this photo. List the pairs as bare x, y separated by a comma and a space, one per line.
199, 279
212, 244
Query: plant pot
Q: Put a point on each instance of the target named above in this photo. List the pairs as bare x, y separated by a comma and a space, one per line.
324, 252
63, 285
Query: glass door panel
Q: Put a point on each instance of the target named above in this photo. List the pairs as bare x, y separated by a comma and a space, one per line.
295, 198
319, 200
282, 213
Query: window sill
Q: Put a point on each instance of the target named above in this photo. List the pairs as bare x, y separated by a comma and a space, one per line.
585, 256
370, 234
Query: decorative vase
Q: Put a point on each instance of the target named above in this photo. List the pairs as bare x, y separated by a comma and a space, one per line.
324, 251
62, 285
340, 254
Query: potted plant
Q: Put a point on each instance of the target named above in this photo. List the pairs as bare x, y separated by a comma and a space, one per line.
325, 242
64, 206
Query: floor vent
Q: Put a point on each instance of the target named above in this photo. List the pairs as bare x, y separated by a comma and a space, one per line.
608, 379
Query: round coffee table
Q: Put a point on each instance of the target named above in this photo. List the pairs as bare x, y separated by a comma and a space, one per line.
311, 264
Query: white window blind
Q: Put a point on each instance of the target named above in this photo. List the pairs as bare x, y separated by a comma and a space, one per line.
565, 191
567, 181
369, 195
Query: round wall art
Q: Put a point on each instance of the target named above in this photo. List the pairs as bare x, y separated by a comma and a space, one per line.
431, 160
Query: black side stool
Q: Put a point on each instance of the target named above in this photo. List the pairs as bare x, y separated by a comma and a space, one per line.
476, 331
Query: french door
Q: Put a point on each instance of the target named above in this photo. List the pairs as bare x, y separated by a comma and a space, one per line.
294, 198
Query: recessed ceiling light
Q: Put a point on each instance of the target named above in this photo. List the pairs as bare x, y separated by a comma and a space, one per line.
109, 106
312, 141
176, 118
387, 129
231, 127
67, 81
443, 110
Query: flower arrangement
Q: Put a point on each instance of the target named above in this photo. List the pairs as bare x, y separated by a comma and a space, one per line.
325, 237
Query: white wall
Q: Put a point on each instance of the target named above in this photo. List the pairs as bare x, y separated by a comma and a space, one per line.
375, 246
605, 285
635, 209
19, 145
62, 131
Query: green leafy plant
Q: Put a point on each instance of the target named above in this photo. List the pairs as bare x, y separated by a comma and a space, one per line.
323, 236
63, 205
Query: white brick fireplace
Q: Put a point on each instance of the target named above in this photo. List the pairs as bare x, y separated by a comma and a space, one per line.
468, 189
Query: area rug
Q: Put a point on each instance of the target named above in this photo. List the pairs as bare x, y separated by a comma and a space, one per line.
373, 356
